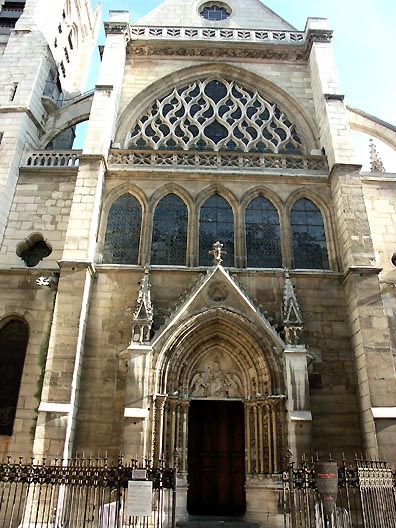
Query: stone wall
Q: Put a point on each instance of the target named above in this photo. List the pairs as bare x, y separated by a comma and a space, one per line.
332, 378
380, 197
22, 297
41, 205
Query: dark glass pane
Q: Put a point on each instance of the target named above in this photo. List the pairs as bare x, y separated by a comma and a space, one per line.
308, 236
262, 235
169, 241
216, 224
13, 343
123, 231
215, 13
216, 132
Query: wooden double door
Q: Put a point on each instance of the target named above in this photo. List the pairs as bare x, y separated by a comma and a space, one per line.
216, 458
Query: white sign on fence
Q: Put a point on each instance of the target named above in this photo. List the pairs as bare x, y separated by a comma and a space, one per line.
139, 498
139, 474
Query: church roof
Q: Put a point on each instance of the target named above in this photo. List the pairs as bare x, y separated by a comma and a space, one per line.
248, 14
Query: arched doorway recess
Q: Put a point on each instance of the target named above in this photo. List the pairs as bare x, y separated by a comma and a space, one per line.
215, 358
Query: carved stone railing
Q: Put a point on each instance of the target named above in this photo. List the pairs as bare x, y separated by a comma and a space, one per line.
214, 160
219, 34
53, 158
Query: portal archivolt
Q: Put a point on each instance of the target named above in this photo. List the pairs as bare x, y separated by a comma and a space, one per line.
221, 360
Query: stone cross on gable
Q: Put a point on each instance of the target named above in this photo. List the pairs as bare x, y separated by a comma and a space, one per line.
217, 252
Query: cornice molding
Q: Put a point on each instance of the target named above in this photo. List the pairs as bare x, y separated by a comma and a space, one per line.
191, 42
262, 52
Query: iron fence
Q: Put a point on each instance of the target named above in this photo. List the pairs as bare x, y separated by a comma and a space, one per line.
331, 495
83, 493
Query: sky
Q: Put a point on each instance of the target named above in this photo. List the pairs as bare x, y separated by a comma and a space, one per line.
363, 43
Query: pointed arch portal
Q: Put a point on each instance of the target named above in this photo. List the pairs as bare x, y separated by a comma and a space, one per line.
217, 380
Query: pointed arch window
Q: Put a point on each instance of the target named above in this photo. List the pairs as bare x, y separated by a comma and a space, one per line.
169, 241
263, 245
308, 236
215, 115
216, 223
122, 237
14, 336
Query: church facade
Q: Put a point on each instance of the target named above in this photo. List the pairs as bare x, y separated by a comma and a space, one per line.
211, 279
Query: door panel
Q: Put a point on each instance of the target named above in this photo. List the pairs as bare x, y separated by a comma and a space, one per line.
216, 458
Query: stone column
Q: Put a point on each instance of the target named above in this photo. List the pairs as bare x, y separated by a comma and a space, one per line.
138, 357
374, 363
158, 438
370, 340
59, 402
298, 401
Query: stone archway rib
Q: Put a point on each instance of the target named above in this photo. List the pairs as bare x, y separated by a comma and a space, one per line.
369, 124
71, 113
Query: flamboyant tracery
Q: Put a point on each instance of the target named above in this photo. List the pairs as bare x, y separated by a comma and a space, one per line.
215, 114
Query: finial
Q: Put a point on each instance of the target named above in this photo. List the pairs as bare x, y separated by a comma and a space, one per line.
291, 313
376, 164
217, 252
142, 318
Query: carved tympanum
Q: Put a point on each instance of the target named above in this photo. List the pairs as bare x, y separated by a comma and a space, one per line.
216, 378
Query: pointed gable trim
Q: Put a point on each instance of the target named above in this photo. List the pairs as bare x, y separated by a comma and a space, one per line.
216, 274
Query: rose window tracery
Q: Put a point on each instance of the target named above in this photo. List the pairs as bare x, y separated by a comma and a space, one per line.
215, 115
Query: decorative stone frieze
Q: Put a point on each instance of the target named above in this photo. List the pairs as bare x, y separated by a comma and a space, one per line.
212, 160
226, 52
117, 28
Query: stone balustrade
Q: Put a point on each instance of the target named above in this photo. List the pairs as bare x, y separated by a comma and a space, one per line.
135, 159
218, 34
214, 160
53, 158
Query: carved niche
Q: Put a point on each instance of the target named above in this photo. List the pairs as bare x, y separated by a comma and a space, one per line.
216, 376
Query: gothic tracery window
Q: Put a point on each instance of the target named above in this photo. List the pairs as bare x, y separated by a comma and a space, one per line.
14, 336
263, 247
122, 237
169, 241
216, 223
215, 114
308, 236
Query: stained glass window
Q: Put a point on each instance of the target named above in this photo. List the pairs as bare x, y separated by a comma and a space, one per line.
123, 231
215, 115
263, 246
13, 343
216, 224
308, 236
169, 242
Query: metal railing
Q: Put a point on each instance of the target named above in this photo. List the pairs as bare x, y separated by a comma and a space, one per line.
330, 495
82, 493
